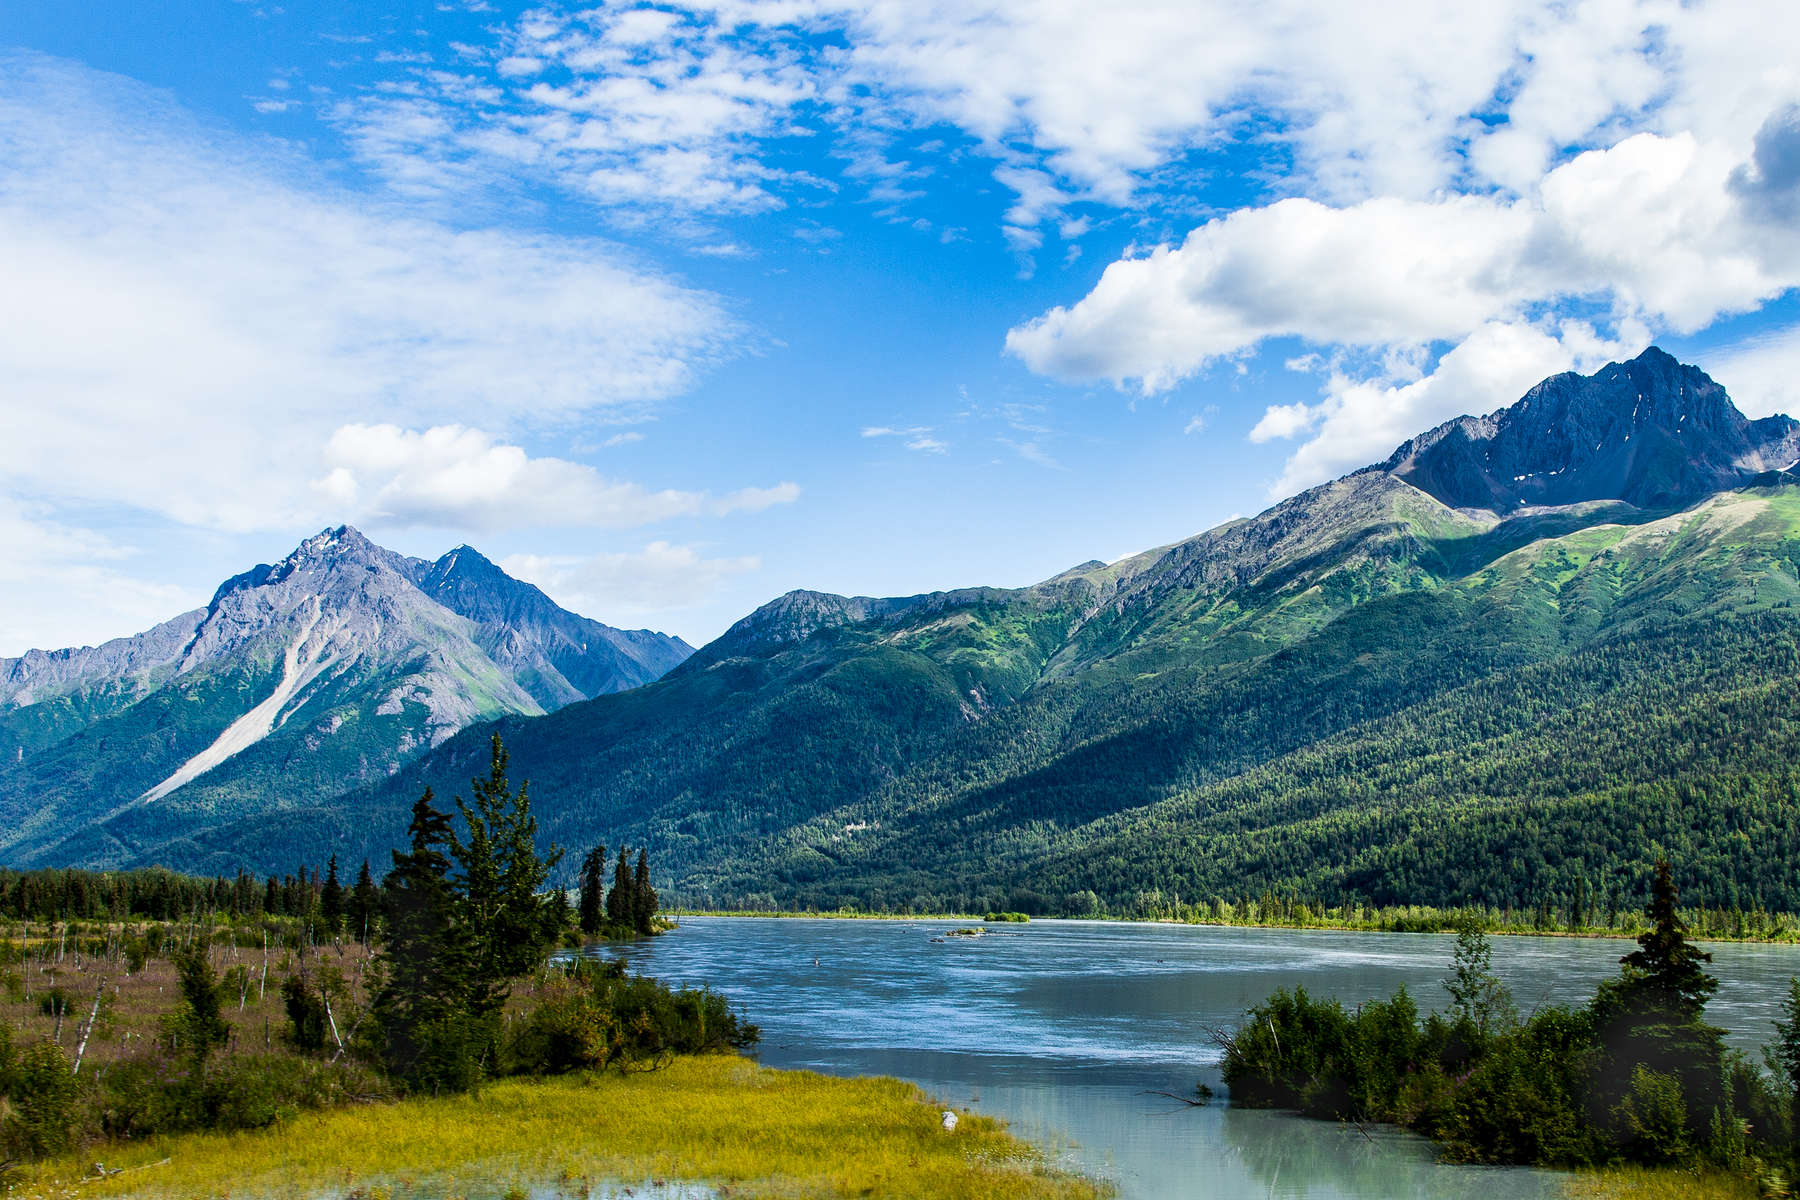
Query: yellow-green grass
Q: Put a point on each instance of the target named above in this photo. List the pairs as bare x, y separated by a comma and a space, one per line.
746, 1129
1645, 1183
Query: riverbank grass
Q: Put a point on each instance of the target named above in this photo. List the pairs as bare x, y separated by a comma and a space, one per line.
746, 1129
1659, 1183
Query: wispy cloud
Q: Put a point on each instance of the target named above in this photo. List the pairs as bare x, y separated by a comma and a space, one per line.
661, 578
185, 324
914, 437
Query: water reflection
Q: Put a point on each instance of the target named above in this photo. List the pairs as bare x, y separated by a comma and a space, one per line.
1064, 1027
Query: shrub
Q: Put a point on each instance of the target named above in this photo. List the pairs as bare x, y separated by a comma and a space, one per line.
597, 1016
1654, 1116
44, 1108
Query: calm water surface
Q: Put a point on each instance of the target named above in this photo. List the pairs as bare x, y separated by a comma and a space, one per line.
1062, 1027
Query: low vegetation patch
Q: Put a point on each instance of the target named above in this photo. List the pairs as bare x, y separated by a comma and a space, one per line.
718, 1119
1635, 1077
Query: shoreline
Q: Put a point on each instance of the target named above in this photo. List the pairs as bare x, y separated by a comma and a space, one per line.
1619, 935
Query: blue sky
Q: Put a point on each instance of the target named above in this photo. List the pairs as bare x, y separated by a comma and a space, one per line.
674, 307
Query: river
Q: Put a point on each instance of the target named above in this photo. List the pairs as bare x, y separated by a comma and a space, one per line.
1065, 1028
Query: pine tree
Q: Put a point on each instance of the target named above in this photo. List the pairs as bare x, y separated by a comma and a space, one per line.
422, 996
202, 1023
502, 875
365, 905
1664, 972
643, 896
272, 905
331, 900
1784, 1055
592, 907
619, 907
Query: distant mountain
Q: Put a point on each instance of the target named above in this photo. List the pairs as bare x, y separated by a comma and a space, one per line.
1509, 664
328, 669
1651, 432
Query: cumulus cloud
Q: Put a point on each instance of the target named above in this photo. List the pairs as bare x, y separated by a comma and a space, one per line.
1650, 223
658, 579
453, 477
190, 317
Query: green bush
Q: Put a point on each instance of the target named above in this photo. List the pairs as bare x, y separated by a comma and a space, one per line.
1654, 1117
597, 1016
45, 1108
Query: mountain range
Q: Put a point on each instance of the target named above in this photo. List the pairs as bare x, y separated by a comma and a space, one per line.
325, 671
1512, 662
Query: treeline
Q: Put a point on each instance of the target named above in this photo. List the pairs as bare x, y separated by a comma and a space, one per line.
155, 894
1635, 1075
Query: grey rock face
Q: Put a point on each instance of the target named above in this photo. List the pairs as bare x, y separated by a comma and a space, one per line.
1652, 432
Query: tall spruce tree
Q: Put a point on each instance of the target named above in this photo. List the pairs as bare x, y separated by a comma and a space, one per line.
592, 907
331, 900
1664, 972
643, 896
502, 875
422, 999
364, 905
619, 908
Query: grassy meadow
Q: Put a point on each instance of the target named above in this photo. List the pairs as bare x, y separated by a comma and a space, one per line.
719, 1119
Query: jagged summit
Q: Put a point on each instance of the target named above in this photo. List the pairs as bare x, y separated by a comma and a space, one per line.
1653, 432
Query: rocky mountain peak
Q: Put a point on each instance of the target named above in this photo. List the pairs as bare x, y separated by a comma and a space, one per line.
1653, 432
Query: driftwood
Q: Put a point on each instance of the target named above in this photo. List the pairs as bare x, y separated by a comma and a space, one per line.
1171, 1095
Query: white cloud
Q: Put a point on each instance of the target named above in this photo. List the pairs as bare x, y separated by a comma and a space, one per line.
66, 586
1650, 225
453, 477
184, 323
661, 578
1762, 374
915, 437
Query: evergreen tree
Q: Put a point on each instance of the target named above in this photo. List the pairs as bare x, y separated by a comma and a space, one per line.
331, 900
618, 901
421, 999
272, 905
202, 1022
592, 907
1664, 972
643, 896
1784, 1055
502, 875
364, 906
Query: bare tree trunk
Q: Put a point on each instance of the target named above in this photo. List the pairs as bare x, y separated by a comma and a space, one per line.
87, 1029
262, 989
326, 996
